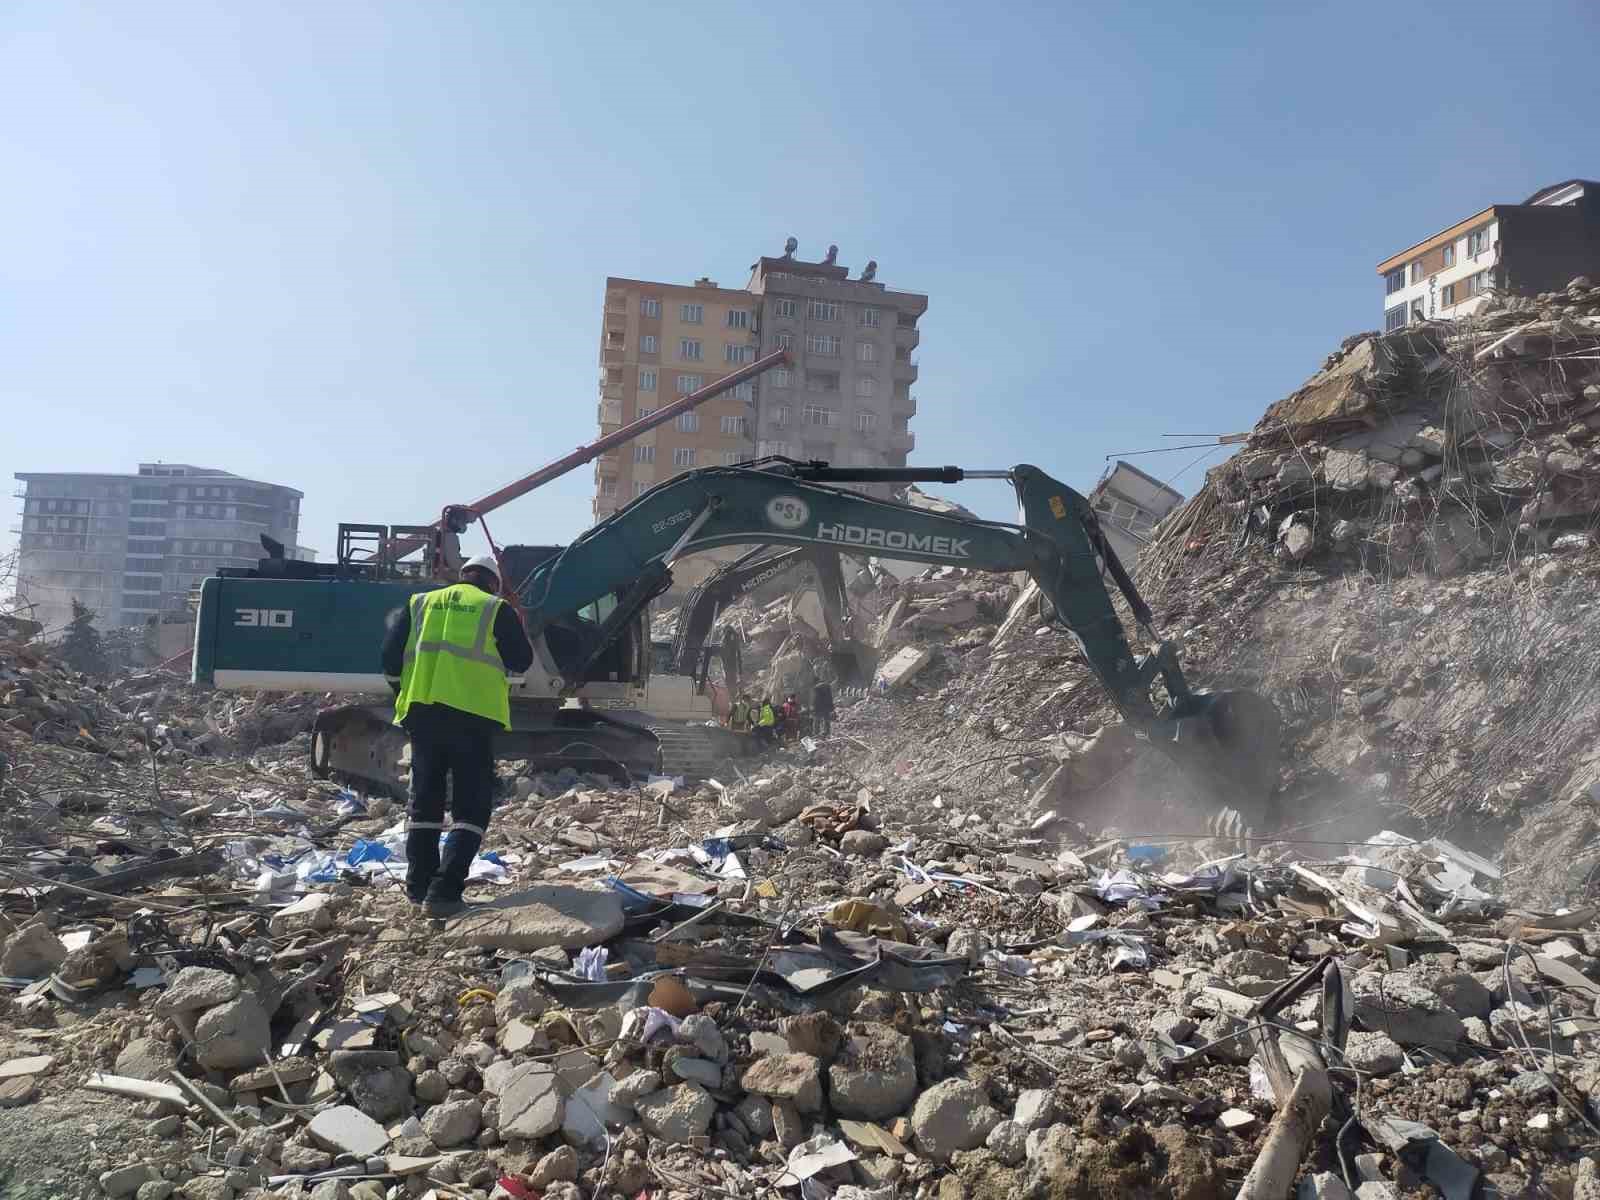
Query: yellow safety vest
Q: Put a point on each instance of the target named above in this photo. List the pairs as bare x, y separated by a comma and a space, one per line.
451, 656
768, 717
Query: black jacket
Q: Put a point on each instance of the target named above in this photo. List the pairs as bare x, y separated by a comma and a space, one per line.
509, 637
822, 699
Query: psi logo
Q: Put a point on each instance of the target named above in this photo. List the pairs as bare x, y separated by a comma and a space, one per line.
788, 512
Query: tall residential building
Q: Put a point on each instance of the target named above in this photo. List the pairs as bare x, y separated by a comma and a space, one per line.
1536, 246
132, 547
847, 400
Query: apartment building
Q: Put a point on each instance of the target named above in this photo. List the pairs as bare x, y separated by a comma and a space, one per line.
132, 547
1527, 248
847, 399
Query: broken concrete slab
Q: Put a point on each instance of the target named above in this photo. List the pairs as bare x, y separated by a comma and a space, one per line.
531, 1103
345, 1129
903, 666
548, 915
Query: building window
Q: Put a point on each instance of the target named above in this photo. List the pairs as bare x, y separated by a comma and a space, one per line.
815, 414
647, 343
1480, 283
642, 412
781, 449
866, 386
745, 391
824, 310
782, 377
640, 489
738, 318
784, 341
649, 307
822, 381
683, 457
689, 348
822, 343
1477, 242
1394, 318
735, 426
608, 486
869, 317
1447, 295
867, 351
688, 422
866, 422
1450, 255
1416, 271
785, 308
692, 314
780, 416
690, 383
738, 354
647, 380
644, 454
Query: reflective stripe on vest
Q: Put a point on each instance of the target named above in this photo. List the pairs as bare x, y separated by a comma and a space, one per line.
450, 662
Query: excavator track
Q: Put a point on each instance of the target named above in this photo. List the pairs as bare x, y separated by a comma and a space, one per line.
693, 750
359, 745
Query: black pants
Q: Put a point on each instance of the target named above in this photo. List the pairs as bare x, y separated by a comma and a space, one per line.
822, 724
447, 744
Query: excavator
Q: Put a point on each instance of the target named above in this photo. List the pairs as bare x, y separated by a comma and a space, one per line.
303, 626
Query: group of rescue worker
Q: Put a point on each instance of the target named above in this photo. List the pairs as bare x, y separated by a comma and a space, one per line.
771, 723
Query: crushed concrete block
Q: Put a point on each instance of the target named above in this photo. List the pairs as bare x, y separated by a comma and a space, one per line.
794, 1078
951, 1116
125, 1181
1345, 470
1405, 1010
32, 953
677, 1114
1375, 1053
195, 988
1324, 1185
875, 1076
233, 1036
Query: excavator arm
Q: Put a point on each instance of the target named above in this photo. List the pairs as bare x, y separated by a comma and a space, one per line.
1058, 542
732, 582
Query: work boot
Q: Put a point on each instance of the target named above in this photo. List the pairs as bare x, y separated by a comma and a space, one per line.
440, 909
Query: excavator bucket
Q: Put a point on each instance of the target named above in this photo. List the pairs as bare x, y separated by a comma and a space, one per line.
1234, 739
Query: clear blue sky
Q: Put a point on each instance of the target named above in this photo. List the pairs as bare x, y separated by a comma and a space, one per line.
360, 248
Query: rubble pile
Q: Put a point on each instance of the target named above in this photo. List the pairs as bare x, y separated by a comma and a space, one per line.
794, 981
978, 943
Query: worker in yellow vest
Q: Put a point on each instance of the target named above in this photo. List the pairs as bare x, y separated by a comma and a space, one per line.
447, 655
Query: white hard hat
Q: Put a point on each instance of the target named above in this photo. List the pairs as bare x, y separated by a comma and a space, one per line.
484, 562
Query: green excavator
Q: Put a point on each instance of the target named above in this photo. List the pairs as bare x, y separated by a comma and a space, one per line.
288, 625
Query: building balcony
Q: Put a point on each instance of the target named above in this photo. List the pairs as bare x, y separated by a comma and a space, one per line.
902, 441
905, 406
611, 390
617, 302
907, 336
611, 356
905, 371
609, 412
